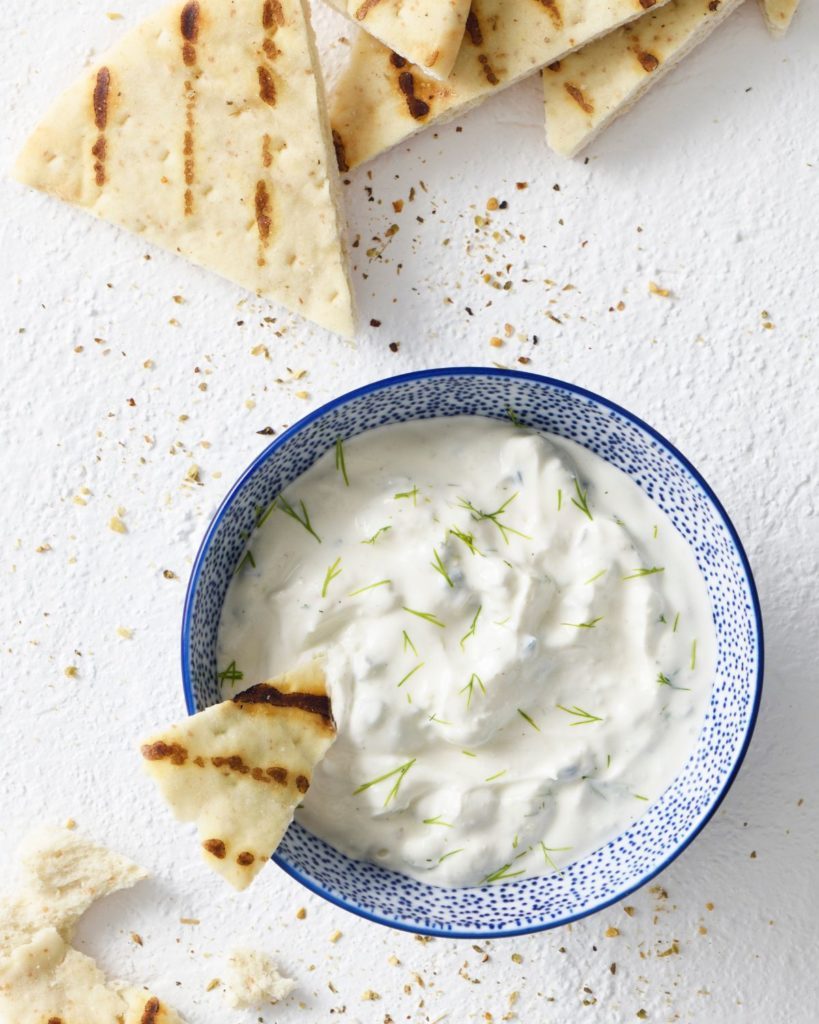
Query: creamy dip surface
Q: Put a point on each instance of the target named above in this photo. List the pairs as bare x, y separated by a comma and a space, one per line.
519, 645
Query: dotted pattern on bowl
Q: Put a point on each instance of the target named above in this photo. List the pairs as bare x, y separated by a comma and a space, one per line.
635, 855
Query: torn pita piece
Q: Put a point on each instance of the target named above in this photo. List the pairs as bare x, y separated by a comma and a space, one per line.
240, 768
425, 32
778, 14
60, 875
204, 131
587, 90
380, 100
47, 981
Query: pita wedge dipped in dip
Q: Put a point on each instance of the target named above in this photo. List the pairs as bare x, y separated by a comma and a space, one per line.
240, 768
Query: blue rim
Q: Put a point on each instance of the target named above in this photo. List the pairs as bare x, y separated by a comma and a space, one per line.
478, 371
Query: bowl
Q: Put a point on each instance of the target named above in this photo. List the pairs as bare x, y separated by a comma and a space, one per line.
662, 833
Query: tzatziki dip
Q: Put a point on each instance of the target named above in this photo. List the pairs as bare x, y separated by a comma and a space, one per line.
519, 645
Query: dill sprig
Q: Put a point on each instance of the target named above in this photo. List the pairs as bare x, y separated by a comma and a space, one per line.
528, 719
494, 517
583, 717
438, 721
471, 631
230, 674
400, 771
302, 520
639, 573
247, 559
426, 616
497, 775
332, 572
547, 850
502, 873
559, 499
263, 514
370, 586
596, 576
584, 625
513, 416
467, 539
413, 494
693, 655
412, 672
470, 686
408, 643
581, 501
676, 623
437, 821
663, 680
469, 753
439, 567
376, 535
451, 853
341, 465
639, 796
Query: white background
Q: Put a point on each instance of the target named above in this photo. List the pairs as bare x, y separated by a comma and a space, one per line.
709, 188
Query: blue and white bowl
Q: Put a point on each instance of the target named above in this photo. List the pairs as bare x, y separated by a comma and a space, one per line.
636, 855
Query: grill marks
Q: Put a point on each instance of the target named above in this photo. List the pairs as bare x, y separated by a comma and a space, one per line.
264, 219
553, 11
365, 9
267, 87
265, 693
272, 18
216, 848
579, 98
647, 60
189, 29
475, 35
417, 107
102, 85
151, 1012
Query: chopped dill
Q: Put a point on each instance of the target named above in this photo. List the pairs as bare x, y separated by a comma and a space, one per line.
370, 586
332, 572
583, 717
596, 576
663, 619
408, 643
693, 655
452, 853
437, 720
262, 514
656, 531
412, 672
468, 753
639, 796
639, 573
376, 535
413, 494
247, 559
471, 631
341, 465
230, 674
584, 625
439, 567
437, 821
467, 538
303, 519
426, 616
515, 843
676, 623
470, 686
581, 501
400, 771
502, 873
547, 850
497, 775
526, 718
501, 622
494, 517
608, 760
663, 679
513, 416
559, 499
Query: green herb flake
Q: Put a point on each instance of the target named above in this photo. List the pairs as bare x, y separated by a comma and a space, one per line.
341, 466
639, 573
693, 655
376, 535
494, 517
412, 495
581, 501
466, 538
583, 717
439, 567
230, 674
596, 576
438, 721
513, 416
303, 519
451, 853
332, 572
426, 616
639, 796
497, 775
526, 718
247, 559
471, 631
503, 873
468, 753
584, 625
548, 850
408, 643
370, 586
400, 771
437, 821
559, 499
474, 678
663, 679
412, 672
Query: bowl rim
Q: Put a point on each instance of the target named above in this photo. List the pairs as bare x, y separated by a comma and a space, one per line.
481, 371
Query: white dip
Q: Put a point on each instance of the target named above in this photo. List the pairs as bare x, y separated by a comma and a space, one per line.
519, 645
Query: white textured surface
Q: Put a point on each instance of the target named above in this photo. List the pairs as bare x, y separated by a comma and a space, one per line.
718, 166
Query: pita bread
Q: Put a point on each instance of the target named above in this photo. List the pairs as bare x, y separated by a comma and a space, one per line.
778, 14
239, 768
252, 979
380, 100
61, 874
46, 980
425, 32
204, 131
585, 92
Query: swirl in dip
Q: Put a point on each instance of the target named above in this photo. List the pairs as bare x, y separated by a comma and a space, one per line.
519, 645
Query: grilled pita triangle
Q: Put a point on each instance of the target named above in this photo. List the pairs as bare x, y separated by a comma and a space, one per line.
204, 131
587, 90
380, 100
425, 32
778, 14
240, 768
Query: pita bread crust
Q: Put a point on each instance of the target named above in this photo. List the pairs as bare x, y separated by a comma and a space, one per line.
778, 15
48, 980
61, 875
215, 147
585, 92
252, 978
239, 770
425, 32
379, 103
